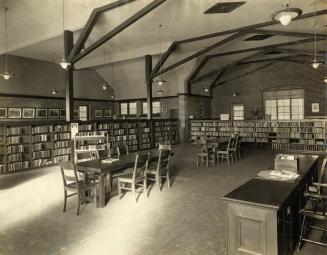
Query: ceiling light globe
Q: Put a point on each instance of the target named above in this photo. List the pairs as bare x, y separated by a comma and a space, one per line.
315, 65
53, 92
64, 64
206, 90
285, 18
325, 80
6, 75
160, 83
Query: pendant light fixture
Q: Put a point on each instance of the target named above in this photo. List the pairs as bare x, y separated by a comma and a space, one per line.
6, 75
64, 63
286, 15
54, 92
315, 63
160, 81
104, 85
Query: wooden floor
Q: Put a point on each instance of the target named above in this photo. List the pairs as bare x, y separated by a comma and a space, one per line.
188, 219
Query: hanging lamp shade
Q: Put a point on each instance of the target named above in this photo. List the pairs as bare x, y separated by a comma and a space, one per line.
315, 64
286, 15
64, 64
104, 86
6, 75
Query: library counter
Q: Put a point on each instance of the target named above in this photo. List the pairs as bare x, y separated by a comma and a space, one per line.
263, 214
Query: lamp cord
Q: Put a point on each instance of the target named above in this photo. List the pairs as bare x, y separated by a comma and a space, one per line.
159, 36
6, 44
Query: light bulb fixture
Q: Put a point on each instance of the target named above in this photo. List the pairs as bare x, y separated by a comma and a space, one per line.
104, 86
315, 63
325, 80
160, 91
206, 90
6, 75
286, 15
54, 92
235, 94
112, 97
160, 80
64, 64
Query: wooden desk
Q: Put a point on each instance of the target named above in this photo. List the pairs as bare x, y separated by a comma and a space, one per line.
263, 214
102, 169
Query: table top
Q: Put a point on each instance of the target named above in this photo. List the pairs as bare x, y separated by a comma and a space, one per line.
218, 139
125, 161
270, 193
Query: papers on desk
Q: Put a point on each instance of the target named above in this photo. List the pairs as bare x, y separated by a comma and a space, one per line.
278, 175
109, 160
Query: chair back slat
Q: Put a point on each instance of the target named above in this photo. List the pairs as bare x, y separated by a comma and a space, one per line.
164, 159
164, 147
140, 165
122, 150
68, 172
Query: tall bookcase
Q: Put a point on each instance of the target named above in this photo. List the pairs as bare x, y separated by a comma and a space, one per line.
26, 145
299, 135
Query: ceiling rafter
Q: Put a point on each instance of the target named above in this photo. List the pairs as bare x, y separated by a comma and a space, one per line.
91, 23
132, 19
207, 36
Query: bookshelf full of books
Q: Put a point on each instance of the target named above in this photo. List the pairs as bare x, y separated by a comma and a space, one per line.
299, 135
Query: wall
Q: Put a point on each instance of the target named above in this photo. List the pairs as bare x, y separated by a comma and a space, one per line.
53, 103
278, 74
39, 78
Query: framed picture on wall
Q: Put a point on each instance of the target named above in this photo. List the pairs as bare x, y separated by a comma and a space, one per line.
28, 113
315, 107
98, 113
62, 113
107, 113
41, 113
14, 113
3, 112
53, 113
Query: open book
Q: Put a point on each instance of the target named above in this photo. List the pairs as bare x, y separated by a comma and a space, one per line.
109, 160
279, 175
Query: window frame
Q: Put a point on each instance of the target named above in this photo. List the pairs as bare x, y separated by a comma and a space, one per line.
236, 117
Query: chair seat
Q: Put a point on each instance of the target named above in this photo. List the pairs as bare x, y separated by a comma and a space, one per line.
222, 152
154, 171
82, 185
129, 178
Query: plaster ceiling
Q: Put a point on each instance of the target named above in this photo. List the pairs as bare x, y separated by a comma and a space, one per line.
35, 27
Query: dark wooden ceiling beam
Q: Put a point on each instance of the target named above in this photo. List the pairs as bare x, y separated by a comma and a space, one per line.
226, 67
91, 23
207, 36
193, 73
243, 75
287, 33
163, 58
201, 52
131, 20
270, 59
302, 52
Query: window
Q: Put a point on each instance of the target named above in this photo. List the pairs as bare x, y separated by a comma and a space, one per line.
271, 109
238, 112
144, 108
83, 112
283, 109
284, 104
132, 108
156, 108
297, 108
123, 109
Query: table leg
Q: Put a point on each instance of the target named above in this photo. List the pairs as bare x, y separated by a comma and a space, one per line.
102, 191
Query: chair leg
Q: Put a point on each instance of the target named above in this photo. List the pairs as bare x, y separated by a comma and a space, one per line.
197, 160
65, 200
168, 179
119, 189
145, 188
134, 191
158, 182
78, 201
302, 232
228, 159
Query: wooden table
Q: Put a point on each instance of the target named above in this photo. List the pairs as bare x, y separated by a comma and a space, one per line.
103, 169
262, 215
217, 141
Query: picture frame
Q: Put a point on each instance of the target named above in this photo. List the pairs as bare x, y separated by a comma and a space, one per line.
98, 113
28, 113
62, 113
315, 107
3, 112
53, 113
164, 108
41, 113
107, 113
14, 113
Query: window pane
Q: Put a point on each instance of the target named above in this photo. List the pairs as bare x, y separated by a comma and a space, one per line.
283, 109
271, 109
297, 108
144, 108
156, 108
123, 108
132, 108
83, 112
238, 112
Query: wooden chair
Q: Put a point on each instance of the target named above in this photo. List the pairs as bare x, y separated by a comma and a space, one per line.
204, 153
161, 170
82, 156
137, 179
122, 150
315, 208
226, 153
74, 186
234, 148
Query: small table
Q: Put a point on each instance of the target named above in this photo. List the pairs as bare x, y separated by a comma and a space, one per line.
103, 169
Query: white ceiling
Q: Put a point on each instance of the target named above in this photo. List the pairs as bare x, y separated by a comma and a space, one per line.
35, 26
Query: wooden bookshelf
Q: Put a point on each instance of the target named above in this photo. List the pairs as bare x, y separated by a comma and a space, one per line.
297, 135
